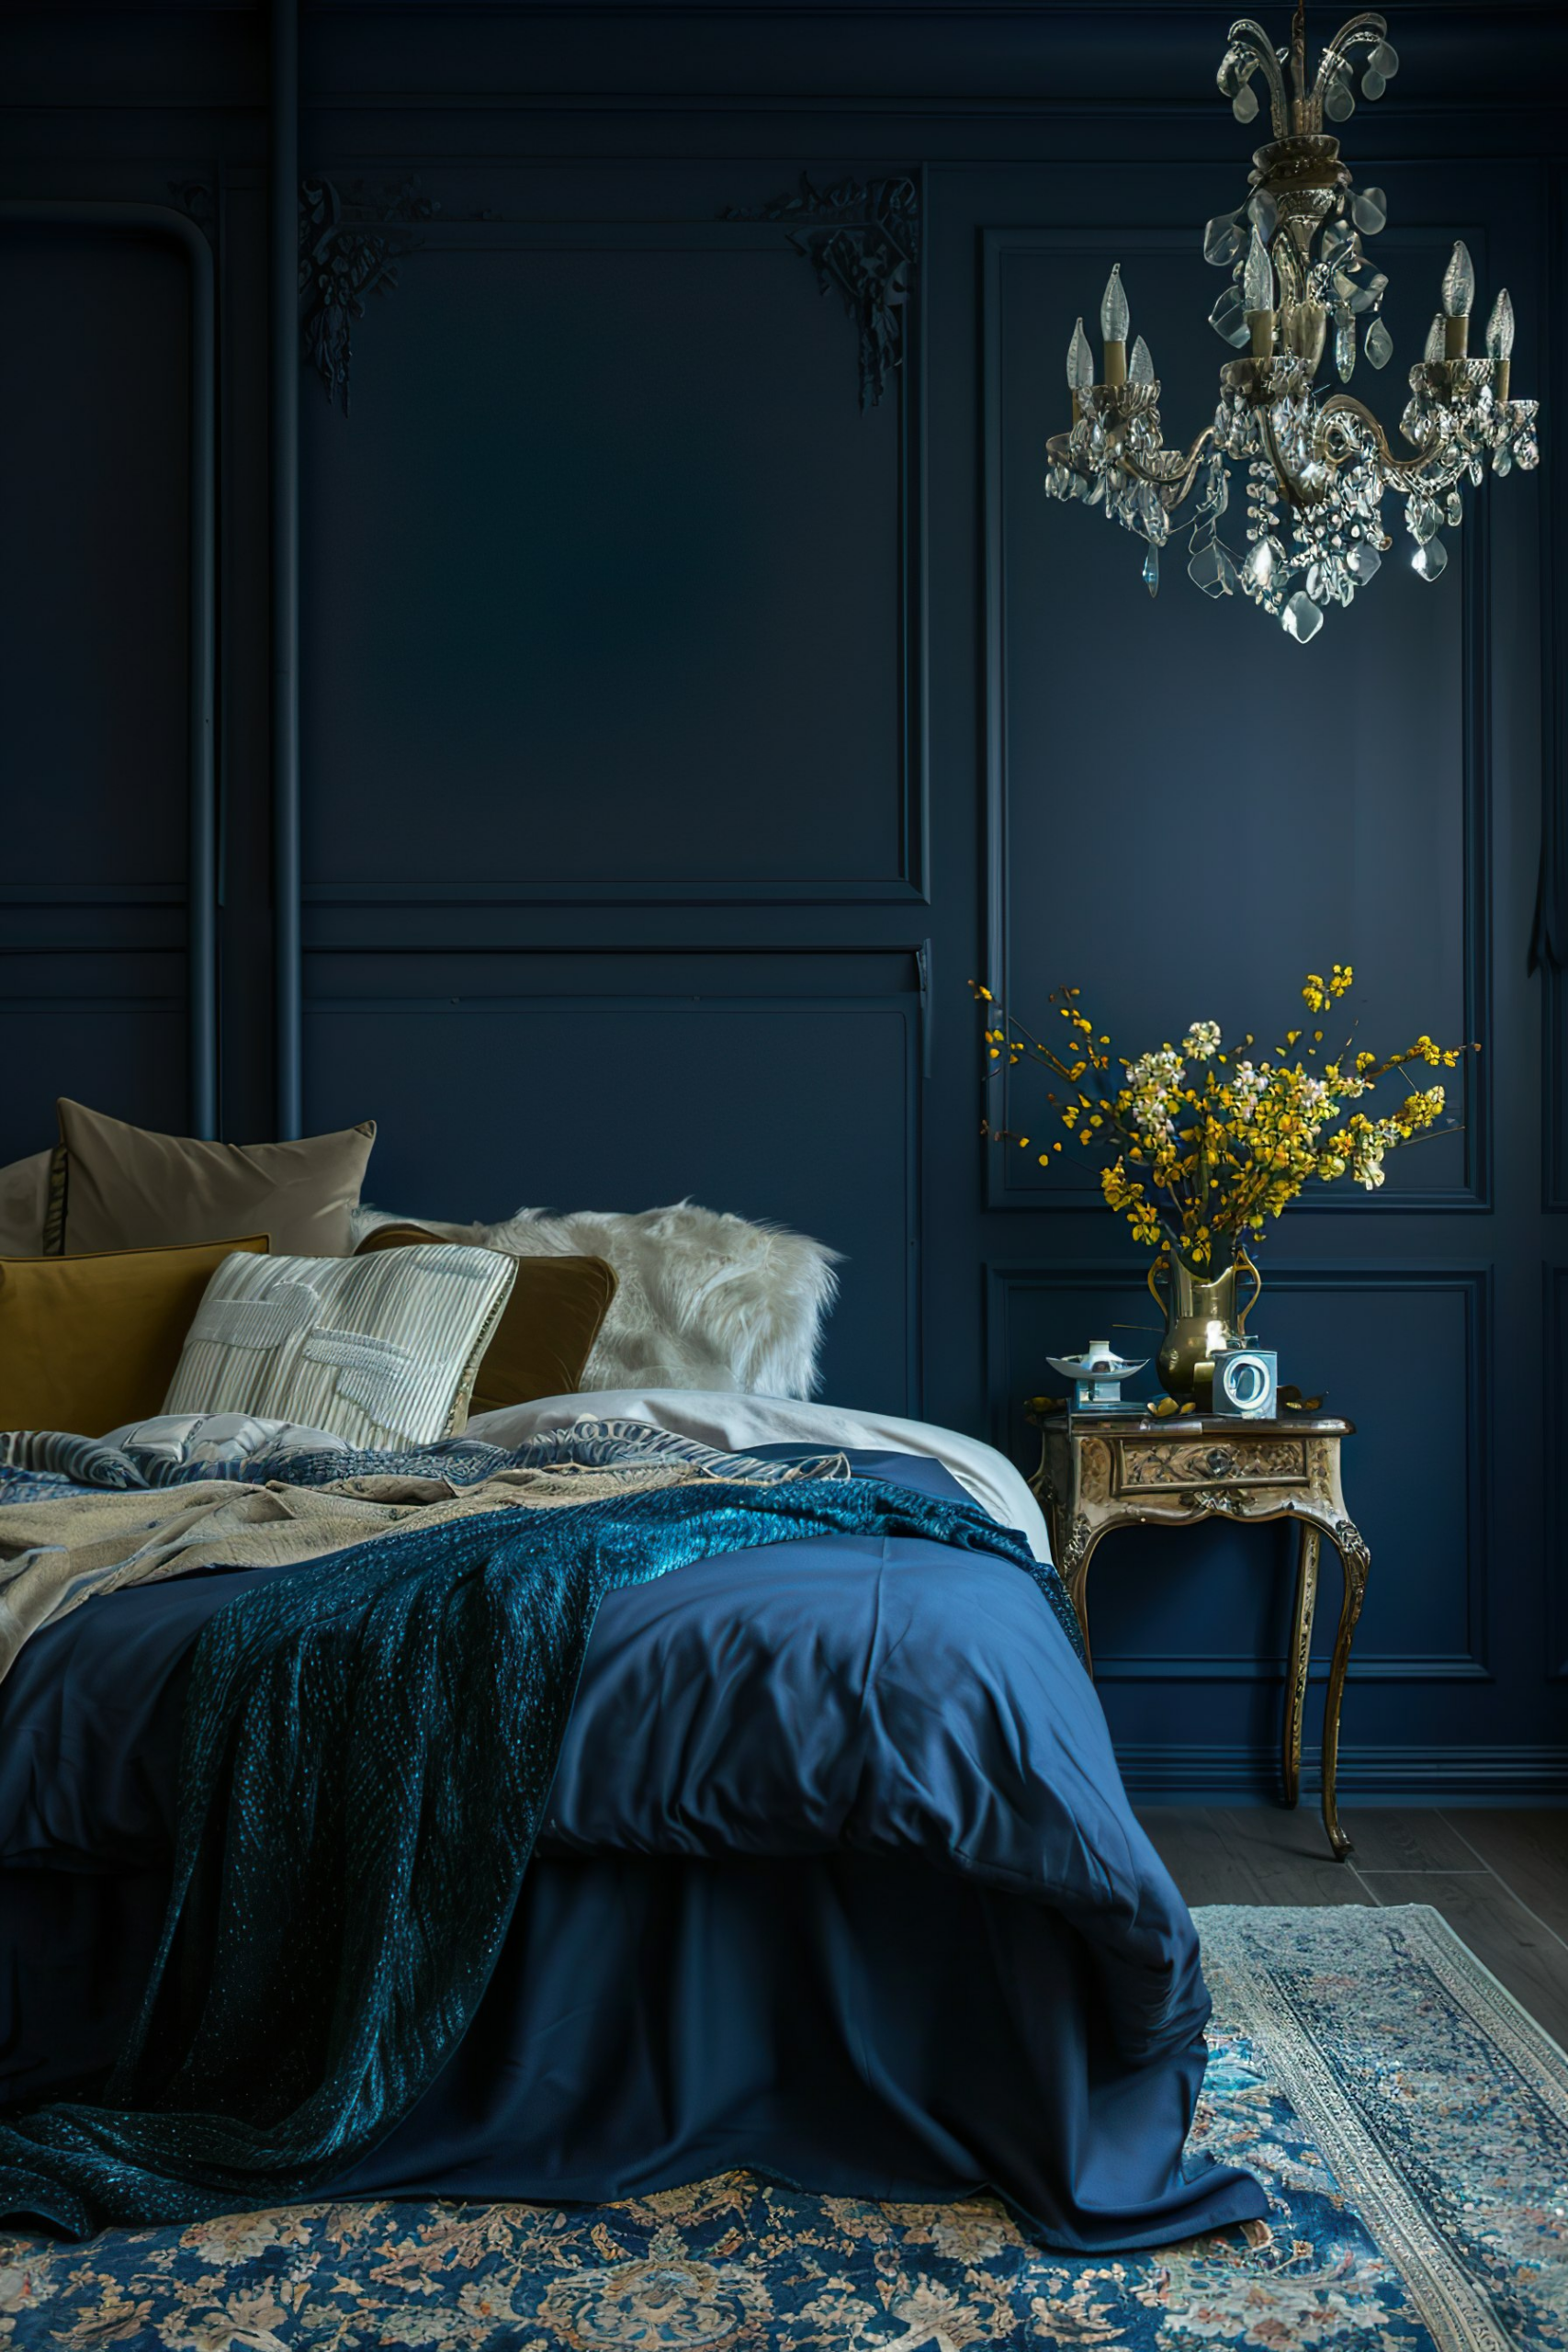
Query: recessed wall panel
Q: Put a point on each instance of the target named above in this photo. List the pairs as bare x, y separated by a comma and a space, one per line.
605, 579
1401, 1352
799, 1112
1191, 810
94, 632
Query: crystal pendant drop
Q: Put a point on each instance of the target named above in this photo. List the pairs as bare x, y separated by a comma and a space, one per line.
1259, 569
1424, 519
1243, 106
1151, 571
1228, 318
1430, 561
1213, 571
1345, 349
1502, 459
1372, 84
1263, 213
1301, 618
1378, 345
1340, 103
1369, 210
1223, 240
1453, 508
1362, 563
1384, 60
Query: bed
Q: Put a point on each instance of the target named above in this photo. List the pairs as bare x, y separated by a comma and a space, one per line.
836, 1878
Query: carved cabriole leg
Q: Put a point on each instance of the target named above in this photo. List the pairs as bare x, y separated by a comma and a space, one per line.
1077, 1554
1309, 1540
1356, 1561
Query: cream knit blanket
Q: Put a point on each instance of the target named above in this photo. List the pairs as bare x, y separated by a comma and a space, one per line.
56, 1555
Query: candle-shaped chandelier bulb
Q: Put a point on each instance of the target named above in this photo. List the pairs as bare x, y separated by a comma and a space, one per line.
1500, 328
1434, 345
1458, 298
1459, 283
1141, 366
1258, 278
1114, 316
1080, 361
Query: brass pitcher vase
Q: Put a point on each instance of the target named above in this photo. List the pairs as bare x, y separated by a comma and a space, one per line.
1201, 1322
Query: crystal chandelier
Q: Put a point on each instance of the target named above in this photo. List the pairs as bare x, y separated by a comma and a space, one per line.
1318, 462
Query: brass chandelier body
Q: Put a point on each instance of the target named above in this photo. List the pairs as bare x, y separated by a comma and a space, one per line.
1318, 462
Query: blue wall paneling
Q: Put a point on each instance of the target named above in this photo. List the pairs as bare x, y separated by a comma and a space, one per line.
48, 697
631, 743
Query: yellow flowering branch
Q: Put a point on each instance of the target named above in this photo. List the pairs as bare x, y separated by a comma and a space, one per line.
1203, 1141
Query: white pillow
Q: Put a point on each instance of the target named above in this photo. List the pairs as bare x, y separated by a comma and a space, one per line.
738, 1424
705, 1300
381, 1350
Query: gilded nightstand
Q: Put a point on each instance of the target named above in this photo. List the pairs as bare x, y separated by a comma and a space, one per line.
1102, 1470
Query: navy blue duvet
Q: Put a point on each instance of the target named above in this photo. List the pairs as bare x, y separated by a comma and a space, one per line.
839, 1882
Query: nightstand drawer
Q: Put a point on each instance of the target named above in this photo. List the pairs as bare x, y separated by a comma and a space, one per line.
1169, 1467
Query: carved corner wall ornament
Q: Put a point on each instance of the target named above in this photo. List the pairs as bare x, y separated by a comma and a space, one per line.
863, 238
350, 245
194, 199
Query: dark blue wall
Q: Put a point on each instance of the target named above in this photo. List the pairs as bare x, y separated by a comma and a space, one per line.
678, 735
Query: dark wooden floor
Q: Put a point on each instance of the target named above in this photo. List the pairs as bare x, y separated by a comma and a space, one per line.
1499, 1878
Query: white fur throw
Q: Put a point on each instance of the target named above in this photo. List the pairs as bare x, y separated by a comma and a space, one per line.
706, 1301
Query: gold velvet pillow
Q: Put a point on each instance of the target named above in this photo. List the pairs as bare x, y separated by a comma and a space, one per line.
547, 1326
87, 1343
128, 1188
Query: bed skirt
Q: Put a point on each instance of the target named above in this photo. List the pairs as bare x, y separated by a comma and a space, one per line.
856, 2025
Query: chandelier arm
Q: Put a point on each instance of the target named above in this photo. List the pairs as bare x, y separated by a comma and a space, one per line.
1364, 31
1404, 468
1059, 451
1184, 473
1246, 35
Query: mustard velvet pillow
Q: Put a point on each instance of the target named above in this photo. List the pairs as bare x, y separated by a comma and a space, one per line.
130, 1188
546, 1330
89, 1342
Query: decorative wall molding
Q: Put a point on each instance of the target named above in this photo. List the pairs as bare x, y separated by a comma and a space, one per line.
197, 201
1422, 1775
1554, 1445
1473, 1284
1474, 1195
863, 238
1549, 944
350, 245
200, 893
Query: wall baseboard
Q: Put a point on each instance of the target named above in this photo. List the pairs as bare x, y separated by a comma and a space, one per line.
1168, 1774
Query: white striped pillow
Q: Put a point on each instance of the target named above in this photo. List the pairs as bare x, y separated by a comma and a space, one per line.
382, 1349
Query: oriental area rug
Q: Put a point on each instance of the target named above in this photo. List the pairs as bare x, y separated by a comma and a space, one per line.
1408, 2119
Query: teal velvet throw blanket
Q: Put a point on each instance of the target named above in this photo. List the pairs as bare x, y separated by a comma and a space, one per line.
369, 1741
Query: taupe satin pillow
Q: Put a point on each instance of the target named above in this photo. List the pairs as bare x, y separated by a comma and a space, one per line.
24, 1205
547, 1326
127, 1188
